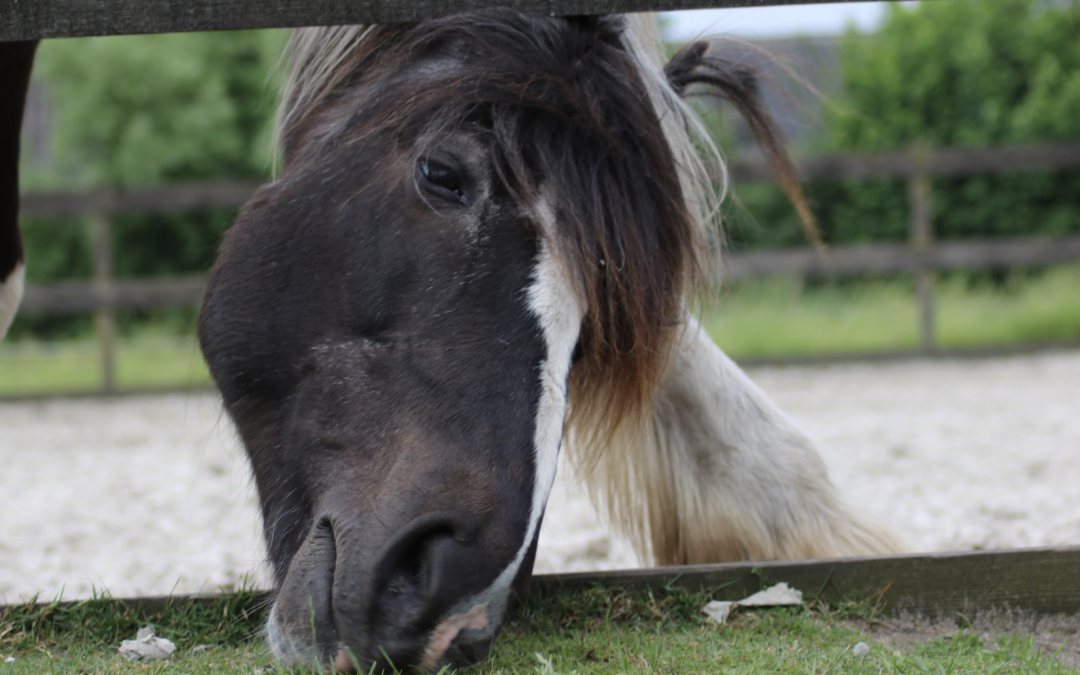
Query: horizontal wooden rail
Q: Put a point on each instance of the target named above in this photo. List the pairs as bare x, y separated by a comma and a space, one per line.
74, 296
70, 297
937, 585
941, 162
37, 19
933, 585
105, 201
893, 258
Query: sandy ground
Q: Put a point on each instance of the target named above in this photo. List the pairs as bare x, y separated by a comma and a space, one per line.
150, 495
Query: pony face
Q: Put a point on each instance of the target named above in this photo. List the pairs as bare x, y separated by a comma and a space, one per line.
468, 208
401, 390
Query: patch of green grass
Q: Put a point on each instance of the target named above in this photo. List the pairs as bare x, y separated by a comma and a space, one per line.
249, 657
227, 618
142, 362
775, 318
84, 636
597, 630
1043, 309
771, 318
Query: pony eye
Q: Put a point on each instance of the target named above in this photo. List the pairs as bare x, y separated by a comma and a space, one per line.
444, 180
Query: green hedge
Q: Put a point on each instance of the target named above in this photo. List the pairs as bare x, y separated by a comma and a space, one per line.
147, 110
963, 73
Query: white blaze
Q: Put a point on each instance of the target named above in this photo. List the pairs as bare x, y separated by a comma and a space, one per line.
555, 298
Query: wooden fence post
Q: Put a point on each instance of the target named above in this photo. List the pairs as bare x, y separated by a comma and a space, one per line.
921, 230
104, 318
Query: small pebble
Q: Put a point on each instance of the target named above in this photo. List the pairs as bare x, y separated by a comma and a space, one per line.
861, 649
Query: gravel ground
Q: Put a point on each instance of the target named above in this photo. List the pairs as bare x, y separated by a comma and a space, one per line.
144, 496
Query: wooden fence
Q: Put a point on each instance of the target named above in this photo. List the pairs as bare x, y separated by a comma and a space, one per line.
37, 19
923, 256
942, 587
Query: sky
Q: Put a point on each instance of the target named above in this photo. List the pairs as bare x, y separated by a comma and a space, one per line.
772, 22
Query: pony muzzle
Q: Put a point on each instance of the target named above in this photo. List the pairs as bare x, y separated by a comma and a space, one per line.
396, 609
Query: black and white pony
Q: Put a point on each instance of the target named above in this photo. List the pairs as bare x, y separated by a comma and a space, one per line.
479, 252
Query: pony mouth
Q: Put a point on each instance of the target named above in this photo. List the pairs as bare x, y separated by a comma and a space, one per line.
444, 635
445, 644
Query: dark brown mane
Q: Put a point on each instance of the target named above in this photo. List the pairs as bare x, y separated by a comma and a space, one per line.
564, 110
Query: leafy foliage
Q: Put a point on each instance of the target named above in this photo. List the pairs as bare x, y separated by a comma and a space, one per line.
145, 110
152, 109
962, 73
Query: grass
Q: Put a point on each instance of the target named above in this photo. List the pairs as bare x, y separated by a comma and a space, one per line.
767, 318
142, 362
597, 630
84, 636
771, 318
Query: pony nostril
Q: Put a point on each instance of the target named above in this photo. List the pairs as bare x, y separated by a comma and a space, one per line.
411, 573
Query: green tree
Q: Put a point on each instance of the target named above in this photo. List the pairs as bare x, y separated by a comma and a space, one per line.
161, 108
966, 73
145, 110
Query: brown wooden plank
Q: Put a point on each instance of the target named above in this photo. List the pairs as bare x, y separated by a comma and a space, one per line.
36, 19
179, 197
894, 258
941, 162
937, 585
71, 297
77, 296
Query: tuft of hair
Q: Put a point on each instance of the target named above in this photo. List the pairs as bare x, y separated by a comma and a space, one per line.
680, 489
693, 71
738, 84
613, 385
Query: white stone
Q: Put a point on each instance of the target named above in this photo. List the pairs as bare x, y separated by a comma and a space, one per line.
774, 596
718, 610
780, 594
146, 646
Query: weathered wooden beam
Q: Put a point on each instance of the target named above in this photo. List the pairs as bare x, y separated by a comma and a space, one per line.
37, 19
894, 258
936, 585
135, 200
940, 162
79, 296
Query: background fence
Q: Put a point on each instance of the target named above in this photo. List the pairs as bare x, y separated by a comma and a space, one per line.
922, 255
